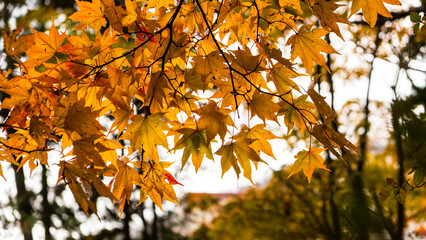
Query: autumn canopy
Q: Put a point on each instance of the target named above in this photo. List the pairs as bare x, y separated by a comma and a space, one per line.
175, 75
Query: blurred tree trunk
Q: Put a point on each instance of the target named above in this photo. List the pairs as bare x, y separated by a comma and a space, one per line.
145, 235
154, 223
397, 134
360, 211
46, 206
336, 231
126, 222
23, 204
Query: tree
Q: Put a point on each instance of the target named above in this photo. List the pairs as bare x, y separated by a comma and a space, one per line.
199, 72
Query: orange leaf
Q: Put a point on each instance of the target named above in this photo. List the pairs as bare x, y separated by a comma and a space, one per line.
89, 13
370, 9
45, 46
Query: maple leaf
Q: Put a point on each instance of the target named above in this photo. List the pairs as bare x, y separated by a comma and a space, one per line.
45, 46
131, 16
121, 117
193, 143
32, 158
155, 186
145, 133
370, 9
298, 112
15, 46
263, 106
246, 62
114, 14
214, 120
8, 157
88, 152
40, 131
236, 154
325, 110
332, 139
109, 150
291, 3
76, 117
123, 182
307, 45
308, 161
69, 172
281, 77
18, 96
260, 136
324, 10
89, 14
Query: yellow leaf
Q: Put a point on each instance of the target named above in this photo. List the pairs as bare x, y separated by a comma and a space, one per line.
123, 182
193, 143
324, 10
114, 14
81, 197
246, 62
308, 161
370, 9
325, 110
262, 105
88, 153
260, 136
131, 16
238, 154
89, 13
332, 139
15, 46
291, 3
110, 153
145, 133
307, 45
121, 117
39, 131
70, 119
156, 187
299, 112
281, 76
214, 120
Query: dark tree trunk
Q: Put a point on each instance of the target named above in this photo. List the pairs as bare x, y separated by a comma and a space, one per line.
47, 211
126, 222
154, 223
23, 204
145, 235
401, 180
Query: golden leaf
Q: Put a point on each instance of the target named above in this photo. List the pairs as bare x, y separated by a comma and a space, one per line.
308, 161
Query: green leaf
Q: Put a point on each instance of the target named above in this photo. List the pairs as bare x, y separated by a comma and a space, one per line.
416, 28
418, 176
414, 17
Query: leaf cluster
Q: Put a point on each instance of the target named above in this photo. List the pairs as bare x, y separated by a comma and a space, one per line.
179, 60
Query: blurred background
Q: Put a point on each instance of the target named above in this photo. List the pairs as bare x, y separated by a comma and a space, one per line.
377, 88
